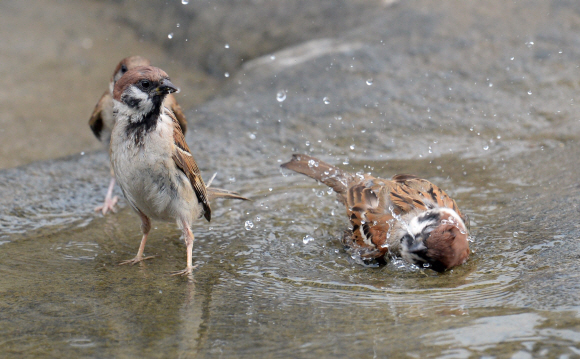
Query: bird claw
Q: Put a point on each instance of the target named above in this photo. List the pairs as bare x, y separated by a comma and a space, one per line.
108, 205
135, 260
185, 272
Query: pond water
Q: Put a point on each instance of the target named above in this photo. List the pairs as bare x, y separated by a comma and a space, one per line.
283, 286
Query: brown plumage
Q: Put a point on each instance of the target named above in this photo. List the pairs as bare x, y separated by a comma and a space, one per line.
405, 216
102, 119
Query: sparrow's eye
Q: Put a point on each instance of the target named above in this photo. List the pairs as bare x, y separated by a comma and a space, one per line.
123, 69
145, 84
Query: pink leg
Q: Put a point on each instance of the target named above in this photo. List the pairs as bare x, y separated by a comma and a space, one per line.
189, 247
145, 228
110, 201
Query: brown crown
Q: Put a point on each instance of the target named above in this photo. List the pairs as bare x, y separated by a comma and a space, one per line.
131, 77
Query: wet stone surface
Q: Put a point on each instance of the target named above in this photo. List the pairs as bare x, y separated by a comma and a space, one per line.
439, 97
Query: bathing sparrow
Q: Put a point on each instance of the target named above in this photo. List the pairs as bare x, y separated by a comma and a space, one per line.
405, 216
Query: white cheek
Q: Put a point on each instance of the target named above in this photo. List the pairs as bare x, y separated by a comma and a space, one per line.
415, 227
145, 103
121, 109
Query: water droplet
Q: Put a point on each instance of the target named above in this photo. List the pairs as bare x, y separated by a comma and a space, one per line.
272, 57
281, 96
227, 46
490, 84
307, 143
529, 44
227, 74
177, 25
249, 225
530, 92
369, 82
307, 238
512, 58
486, 147
352, 147
185, 2
170, 35
326, 100
498, 137
516, 234
82, 153
312, 163
252, 136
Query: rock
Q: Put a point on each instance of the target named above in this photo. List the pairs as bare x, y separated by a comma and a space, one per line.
250, 28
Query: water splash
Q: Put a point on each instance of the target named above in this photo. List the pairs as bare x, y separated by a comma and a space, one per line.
281, 96
307, 239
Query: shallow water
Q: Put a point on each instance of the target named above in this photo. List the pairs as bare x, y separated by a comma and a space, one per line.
272, 291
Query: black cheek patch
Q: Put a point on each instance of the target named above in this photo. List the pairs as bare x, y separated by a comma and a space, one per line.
133, 102
430, 216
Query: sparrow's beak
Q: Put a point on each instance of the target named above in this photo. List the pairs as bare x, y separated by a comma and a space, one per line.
166, 87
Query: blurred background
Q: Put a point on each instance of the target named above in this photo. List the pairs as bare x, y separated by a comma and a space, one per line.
57, 56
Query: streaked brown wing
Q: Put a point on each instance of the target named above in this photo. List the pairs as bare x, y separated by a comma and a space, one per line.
420, 192
96, 121
185, 161
172, 104
369, 218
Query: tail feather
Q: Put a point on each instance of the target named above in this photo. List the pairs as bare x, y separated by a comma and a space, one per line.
213, 193
321, 171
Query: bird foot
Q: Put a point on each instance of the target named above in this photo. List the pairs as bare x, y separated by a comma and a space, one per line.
108, 205
135, 260
186, 272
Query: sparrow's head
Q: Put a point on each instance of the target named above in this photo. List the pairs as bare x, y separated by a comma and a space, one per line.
437, 238
142, 90
127, 64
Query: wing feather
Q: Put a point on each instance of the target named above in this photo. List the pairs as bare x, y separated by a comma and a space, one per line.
185, 161
172, 104
96, 122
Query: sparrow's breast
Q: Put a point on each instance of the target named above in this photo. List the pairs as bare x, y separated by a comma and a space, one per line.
149, 177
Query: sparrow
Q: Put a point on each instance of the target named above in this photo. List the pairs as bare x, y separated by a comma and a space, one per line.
151, 160
102, 119
406, 216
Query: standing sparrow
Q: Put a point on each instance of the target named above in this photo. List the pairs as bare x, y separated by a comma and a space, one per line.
405, 216
102, 120
153, 164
